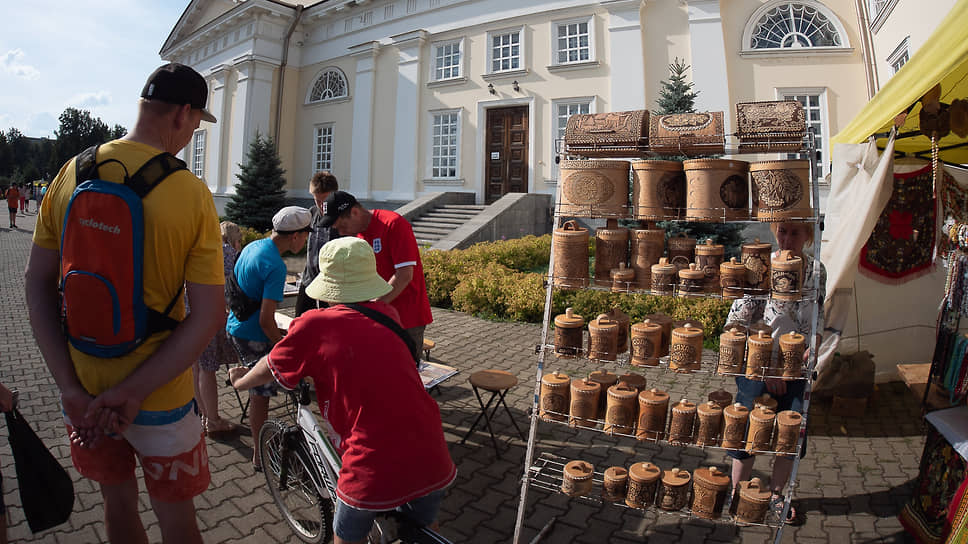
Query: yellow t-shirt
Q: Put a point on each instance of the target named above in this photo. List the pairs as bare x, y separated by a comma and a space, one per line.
182, 243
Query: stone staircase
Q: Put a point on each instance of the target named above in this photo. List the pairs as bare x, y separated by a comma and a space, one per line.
436, 224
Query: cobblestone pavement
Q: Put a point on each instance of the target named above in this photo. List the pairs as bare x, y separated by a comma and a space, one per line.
857, 473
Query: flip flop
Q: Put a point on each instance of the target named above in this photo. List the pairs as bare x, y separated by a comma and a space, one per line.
776, 506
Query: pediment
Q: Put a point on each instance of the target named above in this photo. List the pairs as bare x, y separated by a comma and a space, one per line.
198, 14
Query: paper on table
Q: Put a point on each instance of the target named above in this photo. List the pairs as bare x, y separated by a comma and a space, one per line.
433, 373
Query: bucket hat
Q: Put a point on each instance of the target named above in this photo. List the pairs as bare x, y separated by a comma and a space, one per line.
347, 273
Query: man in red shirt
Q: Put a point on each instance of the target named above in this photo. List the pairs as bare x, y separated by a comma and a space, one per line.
397, 257
13, 198
389, 432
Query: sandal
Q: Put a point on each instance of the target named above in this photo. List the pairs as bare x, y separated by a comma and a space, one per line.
776, 506
219, 427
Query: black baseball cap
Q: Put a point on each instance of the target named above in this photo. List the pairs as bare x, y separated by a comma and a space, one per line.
178, 84
335, 205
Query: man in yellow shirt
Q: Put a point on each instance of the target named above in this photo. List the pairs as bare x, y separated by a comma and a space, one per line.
140, 405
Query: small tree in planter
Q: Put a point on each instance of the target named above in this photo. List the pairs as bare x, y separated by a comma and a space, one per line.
259, 193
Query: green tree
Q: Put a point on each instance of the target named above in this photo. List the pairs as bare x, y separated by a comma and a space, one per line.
259, 193
78, 131
6, 159
118, 131
676, 94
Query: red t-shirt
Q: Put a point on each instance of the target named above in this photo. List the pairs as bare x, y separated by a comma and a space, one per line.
391, 237
13, 197
391, 439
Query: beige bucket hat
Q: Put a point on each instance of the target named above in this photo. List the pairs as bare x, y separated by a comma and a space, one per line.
347, 273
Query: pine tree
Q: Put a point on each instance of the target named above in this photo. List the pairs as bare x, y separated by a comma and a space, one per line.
259, 193
676, 94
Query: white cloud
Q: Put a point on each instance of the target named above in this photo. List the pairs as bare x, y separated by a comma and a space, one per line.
90, 100
42, 124
11, 63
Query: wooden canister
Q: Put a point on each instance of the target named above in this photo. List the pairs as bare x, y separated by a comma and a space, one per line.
555, 396
732, 278
569, 334
754, 499
786, 276
596, 188
570, 246
732, 352
759, 354
653, 407
576, 478
792, 347
643, 483
787, 431
665, 322
623, 279
721, 397
759, 437
646, 247
663, 278
692, 282
766, 401
717, 190
634, 380
685, 353
615, 483
756, 259
623, 321
645, 344
658, 190
674, 489
620, 409
583, 409
709, 257
710, 416
682, 250
605, 379
781, 190
735, 418
709, 489
682, 422
611, 248
603, 338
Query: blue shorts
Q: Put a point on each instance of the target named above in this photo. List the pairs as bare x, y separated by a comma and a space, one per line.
747, 390
354, 524
249, 352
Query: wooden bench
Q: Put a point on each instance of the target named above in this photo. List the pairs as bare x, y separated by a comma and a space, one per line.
916, 378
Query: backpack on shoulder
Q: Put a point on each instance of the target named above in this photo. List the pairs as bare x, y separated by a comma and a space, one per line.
102, 258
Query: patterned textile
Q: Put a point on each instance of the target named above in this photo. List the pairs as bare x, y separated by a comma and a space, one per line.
955, 200
901, 247
942, 471
958, 516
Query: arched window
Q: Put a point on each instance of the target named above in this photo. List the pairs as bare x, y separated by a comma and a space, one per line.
794, 25
330, 84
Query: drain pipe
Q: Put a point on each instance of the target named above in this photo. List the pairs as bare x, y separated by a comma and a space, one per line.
282, 73
867, 48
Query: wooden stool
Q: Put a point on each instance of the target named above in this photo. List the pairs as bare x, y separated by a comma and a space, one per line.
498, 382
427, 346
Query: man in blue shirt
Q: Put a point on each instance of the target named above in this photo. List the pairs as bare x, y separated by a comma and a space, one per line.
261, 275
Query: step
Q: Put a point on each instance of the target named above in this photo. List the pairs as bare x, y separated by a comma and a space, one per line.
445, 217
434, 224
473, 207
418, 230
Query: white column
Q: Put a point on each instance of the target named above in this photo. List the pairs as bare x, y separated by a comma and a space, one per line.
625, 55
405, 140
362, 140
213, 142
250, 113
709, 58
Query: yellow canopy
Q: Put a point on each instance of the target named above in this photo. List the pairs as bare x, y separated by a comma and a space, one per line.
942, 59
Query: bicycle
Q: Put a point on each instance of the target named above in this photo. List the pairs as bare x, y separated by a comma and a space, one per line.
302, 467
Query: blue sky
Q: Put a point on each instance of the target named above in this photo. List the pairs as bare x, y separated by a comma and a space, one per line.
89, 54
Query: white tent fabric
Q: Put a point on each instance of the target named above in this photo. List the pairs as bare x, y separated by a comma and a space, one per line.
860, 188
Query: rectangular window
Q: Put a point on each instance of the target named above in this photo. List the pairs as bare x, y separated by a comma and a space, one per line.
506, 51
323, 148
447, 60
444, 144
900, 61
572, 42
815, 110
562, 111
198, 154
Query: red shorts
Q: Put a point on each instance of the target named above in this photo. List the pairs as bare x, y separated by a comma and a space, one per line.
169, 445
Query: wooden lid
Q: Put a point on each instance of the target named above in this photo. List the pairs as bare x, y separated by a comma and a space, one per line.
692, 273
635, 380
585, 386
676, 477
732, 265
654, 396
756, 246
687, 331
579, 470
721, 397
712, 477
736, 410
664, 266
715, 164
789, 417
571, 227
646, 326
603, 321
762, 413
765, 400
622, 391
684, 406
622, 272
644, 472
786, 259
792, 338
710, 248
709, 408
665, 166
569, 320
603, 377
556, 378
649, 234
760, 338
616, 474
733, 335
755, 490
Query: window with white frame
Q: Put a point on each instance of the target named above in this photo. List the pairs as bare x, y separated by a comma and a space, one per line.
794, 25
198, 154
573, 41
562, 110
504, 51
323, 148
330, 84
900, 55
815, 110
445, 144
447, 60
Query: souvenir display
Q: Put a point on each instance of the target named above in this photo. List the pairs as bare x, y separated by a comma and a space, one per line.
754, 499
735, 418
611, 248
583, 409
658, 190
732, 278
710, 416
759, 355
687, 133
653, 406
620, 410
682, 422
615, 483
692, 281
664, 277
604, 379
623, 279
674, 489
786, 277
603, 338
682, 250
685, 353
555, 397
709, 258
614, 134
645, 344
569, 334
665, 322
709, 490
760, 435
792, 347
787, 431
756, 259
647, 246
732, 352
570, 247
595, 188
717, 190
773, 126
623, 321
577, 478
781, 190
643, 483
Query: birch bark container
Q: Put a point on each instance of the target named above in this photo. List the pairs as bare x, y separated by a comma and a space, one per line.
781, 190
786, 277
615, 484
756, 259
717, 190
754, 499
732, 279
643, 483
787, 431
653, 407
570, 246
594, 188
682, 250
646, 343
583, 409
674, 490
691, 281
569, 334
620, 409
710, 416
759, 438
759, 354
709, 257
664, 278
555, 396
683, 421
665, 322
646, 248
792, 347
685, 353
611, 248
658, 190
603, 338
577, 478
709, 490
732, 352
735, 418
623, 279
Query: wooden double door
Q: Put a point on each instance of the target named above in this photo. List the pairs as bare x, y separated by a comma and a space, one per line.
507, 152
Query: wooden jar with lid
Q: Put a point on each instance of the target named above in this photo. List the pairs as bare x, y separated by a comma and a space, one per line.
709, 257
653, 407
754, 499
732, 278
570, 245
555, 396
682, 422
646, 343
710, 416
664, 278
611, 248
643, 484
594, 188
756, 259
634, 380
788, 431
665, 322
685, 353
674, 490
759, 438
732, 352
709, 490
786, 276
691, 281
623, 320
603, 338
646, 248
658, 190
623, 279
682, 250
721, 397
782, 189
576, 478
735, 418
615, 484
717, 189
759, 354
605, 379
569, 334
766, 401
583, 409
620, 409
792, 347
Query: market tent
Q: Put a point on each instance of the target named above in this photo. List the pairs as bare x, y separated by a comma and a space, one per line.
942, 59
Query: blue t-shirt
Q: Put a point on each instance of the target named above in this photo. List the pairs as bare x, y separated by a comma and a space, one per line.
261, 274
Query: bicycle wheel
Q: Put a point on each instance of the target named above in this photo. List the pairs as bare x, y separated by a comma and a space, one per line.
307, 510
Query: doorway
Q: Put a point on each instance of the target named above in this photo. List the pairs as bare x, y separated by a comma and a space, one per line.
506, 152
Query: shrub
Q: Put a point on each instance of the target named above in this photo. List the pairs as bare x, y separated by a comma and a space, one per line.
251, 235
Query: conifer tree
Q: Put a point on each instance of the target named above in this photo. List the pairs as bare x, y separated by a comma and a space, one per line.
259, 193
676, 94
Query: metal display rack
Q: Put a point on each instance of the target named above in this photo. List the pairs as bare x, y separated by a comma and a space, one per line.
544, 471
